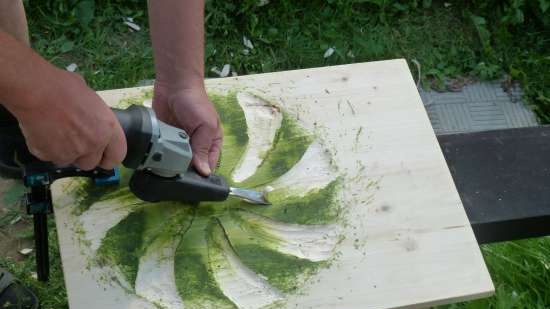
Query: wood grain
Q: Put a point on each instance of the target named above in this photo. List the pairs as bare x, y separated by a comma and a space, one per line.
408, 241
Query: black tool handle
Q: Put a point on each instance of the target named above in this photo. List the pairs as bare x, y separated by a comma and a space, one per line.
6, 118
188, 188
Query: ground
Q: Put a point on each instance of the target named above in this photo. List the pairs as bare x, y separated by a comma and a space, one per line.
15, 226
444, 42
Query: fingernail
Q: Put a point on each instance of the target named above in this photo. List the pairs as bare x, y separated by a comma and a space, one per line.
206, 168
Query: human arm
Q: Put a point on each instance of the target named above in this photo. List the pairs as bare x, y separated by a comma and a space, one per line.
177, 33
13, 20
62, 119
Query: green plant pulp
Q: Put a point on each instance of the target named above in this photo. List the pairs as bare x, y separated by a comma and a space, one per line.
128, 241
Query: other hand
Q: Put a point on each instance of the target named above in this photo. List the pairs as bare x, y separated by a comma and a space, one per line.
191, 110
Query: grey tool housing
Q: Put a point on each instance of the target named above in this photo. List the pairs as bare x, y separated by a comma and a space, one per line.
170, 153
152, 144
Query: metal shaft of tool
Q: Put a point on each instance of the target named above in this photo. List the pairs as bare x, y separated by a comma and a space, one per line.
251, 196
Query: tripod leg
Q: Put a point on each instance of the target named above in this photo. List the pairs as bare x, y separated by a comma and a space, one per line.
41, 243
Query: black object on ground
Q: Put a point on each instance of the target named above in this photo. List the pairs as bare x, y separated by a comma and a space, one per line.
503, 178
14, 295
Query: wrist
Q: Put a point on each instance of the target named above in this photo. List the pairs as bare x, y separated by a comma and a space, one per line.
34, 90
166, 91
179, 84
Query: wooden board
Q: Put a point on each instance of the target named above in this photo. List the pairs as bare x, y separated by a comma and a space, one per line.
406, 239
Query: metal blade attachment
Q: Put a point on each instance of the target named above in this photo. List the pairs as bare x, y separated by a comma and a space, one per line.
251, 196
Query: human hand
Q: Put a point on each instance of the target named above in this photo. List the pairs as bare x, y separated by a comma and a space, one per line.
69, 124
191, 110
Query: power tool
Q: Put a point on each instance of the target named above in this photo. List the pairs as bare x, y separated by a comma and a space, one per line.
159, 154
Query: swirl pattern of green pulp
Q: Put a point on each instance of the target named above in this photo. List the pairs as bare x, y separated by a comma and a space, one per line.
195, 227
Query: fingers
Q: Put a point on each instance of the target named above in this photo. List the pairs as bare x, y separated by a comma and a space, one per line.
107, 158
201, 142
65, 159
89, 162
191, 110
215, 150
206, 151
115, 152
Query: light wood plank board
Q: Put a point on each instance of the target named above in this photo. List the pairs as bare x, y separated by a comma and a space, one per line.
404, 241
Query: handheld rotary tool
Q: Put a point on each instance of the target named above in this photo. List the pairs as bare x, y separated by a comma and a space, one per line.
161, 156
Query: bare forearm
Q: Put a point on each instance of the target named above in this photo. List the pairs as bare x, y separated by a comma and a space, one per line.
62, 119
177, 32
24, 74
13, 20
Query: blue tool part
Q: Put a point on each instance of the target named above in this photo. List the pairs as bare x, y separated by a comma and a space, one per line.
111, 180
36, 180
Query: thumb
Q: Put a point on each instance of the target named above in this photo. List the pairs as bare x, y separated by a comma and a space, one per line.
201, 142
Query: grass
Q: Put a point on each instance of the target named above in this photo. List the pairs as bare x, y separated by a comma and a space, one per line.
52, 295
521, 273
460, 40
447, 41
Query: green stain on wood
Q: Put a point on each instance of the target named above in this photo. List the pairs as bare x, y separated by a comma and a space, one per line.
256, 248
135, 100
231, 115
154, 224
87, 193
316, 207
289, 145
281, 270
194, 278
146, 229
234, 129
122, 246
163, 222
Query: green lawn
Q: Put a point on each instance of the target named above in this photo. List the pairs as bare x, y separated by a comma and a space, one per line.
520, 272
479, 41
